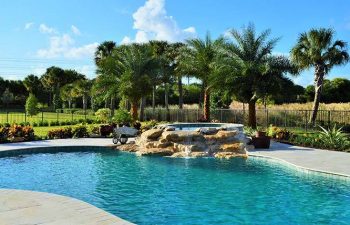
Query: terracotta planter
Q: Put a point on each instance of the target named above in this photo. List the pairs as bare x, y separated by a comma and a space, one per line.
261, 142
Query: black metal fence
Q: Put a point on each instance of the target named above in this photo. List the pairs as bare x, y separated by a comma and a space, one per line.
281, 118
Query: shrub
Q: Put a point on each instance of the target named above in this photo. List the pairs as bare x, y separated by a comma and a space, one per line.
24, 124
32, 105
103, 114
122, 117
148, 125
25, 132
279, 133
54, 123
80, 131
334, 139
63, 123
106, 130
34, 124
43, 123
4, 133
60, 133
94, 129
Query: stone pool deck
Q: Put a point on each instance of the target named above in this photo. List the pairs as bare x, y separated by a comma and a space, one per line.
19, 207
315, 160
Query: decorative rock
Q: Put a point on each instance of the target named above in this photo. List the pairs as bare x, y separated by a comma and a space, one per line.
229, 155
192, 154
169, 128
208, 130
155, 152
128, 148
151, 134
235, 147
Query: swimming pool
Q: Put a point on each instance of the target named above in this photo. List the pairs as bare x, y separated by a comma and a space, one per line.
195, 126
157, 190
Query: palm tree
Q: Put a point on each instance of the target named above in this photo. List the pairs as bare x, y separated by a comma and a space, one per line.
199, 60
317, 48
67, 94
106, 58
32, 84
82, 88
160, 51
252, 70
104, 50
135, 81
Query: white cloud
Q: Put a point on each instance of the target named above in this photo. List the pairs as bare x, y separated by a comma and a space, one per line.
27, 26
75, 30
152, 22
43, 28
64, 46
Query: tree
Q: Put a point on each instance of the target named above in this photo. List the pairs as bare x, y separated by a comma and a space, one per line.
82, 88
108, 73
32, 84
135, 82
200, 60
7, 97
67, 94
253, 72
32, 105
317, 48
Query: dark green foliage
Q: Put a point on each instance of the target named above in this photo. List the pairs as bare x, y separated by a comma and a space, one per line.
80, 131
32, 105
122, 117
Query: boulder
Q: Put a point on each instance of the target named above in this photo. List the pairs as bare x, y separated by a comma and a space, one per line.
155, 152
128, 147
229, 155
151, 134
235, 147
169, 128
208, 130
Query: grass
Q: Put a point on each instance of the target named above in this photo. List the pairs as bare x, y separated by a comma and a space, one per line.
19, 117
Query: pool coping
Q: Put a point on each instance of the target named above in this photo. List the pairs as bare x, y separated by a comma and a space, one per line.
302, 169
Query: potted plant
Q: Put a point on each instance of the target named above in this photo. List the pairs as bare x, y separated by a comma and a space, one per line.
261, 140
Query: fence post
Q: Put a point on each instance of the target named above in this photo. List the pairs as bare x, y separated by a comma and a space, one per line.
57, 116
7, 116
329, 118
72, 114
221, 115
306, 118
285, 118
25, 116
42, 116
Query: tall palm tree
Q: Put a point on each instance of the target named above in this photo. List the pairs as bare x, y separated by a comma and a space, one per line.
317, 48
135, 82
104, 50
199, 60
106, 85
253, 67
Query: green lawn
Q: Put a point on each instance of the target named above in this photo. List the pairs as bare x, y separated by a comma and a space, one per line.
19, 117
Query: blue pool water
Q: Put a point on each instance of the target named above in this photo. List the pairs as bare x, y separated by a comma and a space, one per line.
149, 190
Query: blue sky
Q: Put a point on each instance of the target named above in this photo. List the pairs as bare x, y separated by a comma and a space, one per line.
35, 34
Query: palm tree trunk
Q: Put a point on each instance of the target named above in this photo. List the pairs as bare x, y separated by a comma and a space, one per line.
206, 107
166, 101
252, 114
181, 100
134, 109
319, 76
142, 108
154, 100
112, 106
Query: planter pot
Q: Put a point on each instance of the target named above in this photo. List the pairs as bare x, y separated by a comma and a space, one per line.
261, 142
260, 134
17, 139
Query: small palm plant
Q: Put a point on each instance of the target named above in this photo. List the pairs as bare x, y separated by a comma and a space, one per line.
334, 138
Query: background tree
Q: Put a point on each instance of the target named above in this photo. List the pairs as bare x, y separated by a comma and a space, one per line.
32, 105
200, 60
317, 48
67, 94
254, 70
32, 84
82, 88
135, 81
7, 97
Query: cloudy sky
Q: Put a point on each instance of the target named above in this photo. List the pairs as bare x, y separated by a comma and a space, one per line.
36, 34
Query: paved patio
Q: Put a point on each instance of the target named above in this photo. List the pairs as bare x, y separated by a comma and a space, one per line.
27, 207
308, 158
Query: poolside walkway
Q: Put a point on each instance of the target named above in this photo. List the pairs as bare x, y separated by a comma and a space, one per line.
331, 162
19, 207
